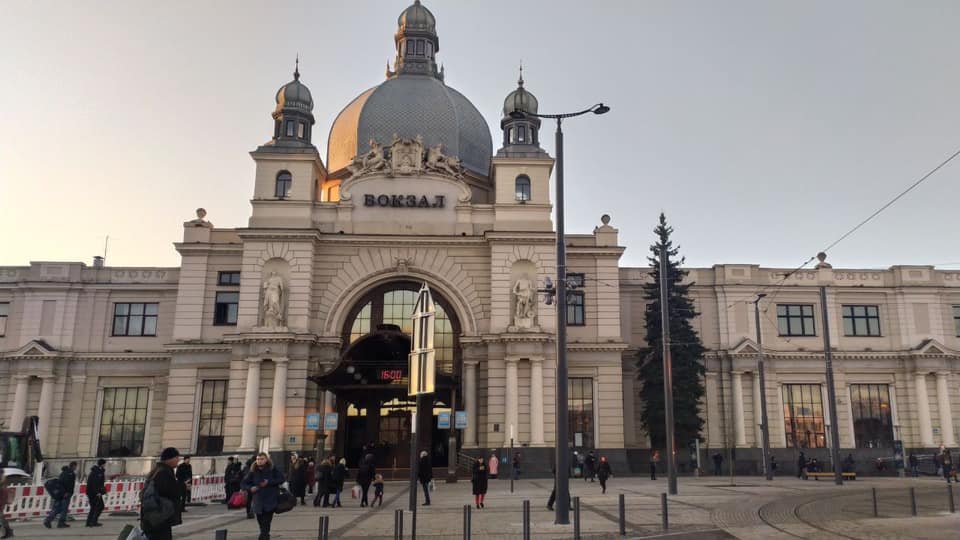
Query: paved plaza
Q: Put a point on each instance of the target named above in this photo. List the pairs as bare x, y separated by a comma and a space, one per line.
706, 508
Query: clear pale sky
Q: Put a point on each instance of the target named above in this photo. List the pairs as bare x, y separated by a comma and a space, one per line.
763, 129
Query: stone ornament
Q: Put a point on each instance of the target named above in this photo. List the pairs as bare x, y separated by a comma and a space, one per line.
443, 164
370, 162
274, 292
405, 157
200, 221
525, 297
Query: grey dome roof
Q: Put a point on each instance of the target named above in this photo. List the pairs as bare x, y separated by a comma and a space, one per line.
520, 100
417, 17
411, 105
294, 95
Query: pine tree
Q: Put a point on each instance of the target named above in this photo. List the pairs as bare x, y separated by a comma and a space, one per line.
686, 350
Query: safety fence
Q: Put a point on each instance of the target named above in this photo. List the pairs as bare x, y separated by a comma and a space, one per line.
121, 496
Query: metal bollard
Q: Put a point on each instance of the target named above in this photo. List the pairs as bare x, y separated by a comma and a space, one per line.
913, 502
526, 520
398, 524
663, 511
220, 534
466, 522
413, 524
953, 506
323, 528
576, 518
623, 515
875, 513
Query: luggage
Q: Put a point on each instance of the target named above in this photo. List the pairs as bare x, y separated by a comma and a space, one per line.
356, 491
285, 501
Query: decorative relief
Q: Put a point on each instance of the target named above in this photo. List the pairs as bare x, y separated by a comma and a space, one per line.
405, 157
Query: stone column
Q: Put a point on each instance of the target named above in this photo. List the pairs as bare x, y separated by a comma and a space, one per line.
278, 410
758, 395
470, 402
512, 416
19, 411
536, 401
251, 402
923, 411
740, 435
946, 416
45, 410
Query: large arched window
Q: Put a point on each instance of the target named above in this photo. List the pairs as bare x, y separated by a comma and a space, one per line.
523, 188
284, 181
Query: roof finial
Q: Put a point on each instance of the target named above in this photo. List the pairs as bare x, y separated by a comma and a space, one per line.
520, 81
296, 69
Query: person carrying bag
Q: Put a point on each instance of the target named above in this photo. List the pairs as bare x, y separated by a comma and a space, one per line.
263, 483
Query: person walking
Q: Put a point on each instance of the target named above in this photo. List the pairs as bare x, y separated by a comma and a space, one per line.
5, 499
493, 465
603, 473
654, 463
717, 464
946, 462
185, 477
298, 478
232, 476
311, 475
425, 475
377, 490
773, 465
516, 466
325, 479
802, 466
61, 496
96, 489
163, 482
366, 472
914, 465
479, 481
263, 483
340, 474
589, 466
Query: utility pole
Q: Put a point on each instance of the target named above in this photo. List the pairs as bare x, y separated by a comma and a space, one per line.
831, 392
764, 425
667, 374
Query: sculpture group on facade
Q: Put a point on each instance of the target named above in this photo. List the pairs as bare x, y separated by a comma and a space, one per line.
405, 157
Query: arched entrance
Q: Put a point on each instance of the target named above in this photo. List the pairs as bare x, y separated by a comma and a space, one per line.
371, 380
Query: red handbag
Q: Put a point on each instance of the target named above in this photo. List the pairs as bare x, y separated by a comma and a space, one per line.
237, 500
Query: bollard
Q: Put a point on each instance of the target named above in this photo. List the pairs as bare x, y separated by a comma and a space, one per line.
576, 518
526, 520
875, 513
466, 522
398, 524
913, 502
220, 534
663, 511
953, 506
623, 515
323, 528
413, 524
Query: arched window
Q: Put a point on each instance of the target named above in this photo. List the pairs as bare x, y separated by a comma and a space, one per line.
523, 188
284, 181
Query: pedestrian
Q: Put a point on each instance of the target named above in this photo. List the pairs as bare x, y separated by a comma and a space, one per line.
516, 466
377, 490
654, 462
589, 466
298, 477
604, 472
813, 465
493, 465
479, 481
325, 479
849, 464
946, 461
162, 482
553, 492
96, 489
340, 474
802, 466
366, 473
185, 477
232, 476
263, 484
914, 465
61, 496
5, 499
247, 467
773, 465
311, 475
425, 475
717, 464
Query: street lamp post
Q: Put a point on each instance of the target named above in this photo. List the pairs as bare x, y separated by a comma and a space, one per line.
764, 426
562, 434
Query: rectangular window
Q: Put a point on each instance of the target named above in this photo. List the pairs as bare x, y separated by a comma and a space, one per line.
580, 403
872, 419
803, 416
225, 309
289, 128
228, 278
213, 405
123, 422
135, 319
795, 320
301, 129
576, 315
522, 133
4, 313
861, 321
419, 47
956, 320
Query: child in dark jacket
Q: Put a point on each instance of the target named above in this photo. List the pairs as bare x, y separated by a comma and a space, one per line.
377, 490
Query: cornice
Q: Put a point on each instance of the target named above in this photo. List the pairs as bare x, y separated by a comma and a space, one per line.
270, 337
526, 337
597, 347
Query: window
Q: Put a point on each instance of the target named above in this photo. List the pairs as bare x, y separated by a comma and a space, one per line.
803, 416
580, 404
4, 313
575, 297
225, 308
135, 319
872, 419
284, 181
523, 188
301, 129
522, 134
419, 47
289, 128
956, 320
123, 422
228, 278
861, 321
213, 404
795, 320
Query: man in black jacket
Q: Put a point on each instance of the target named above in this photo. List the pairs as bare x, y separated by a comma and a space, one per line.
184, 477
96, 489
61, 502
425, 475
166, 486
231, 478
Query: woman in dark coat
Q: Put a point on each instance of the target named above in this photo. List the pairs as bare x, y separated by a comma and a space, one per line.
263, 483
479, 481
365, 474
604, 472
311, 475
298, 478
339, 476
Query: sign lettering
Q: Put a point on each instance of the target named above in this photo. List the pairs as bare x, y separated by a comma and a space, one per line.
403, 201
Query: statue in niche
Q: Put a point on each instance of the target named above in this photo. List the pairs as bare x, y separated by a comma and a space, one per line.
273, 299
525, 296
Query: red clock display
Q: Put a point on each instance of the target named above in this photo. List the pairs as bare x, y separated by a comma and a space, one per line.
391, 374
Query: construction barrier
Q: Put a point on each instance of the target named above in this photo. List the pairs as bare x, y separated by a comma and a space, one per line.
122, 496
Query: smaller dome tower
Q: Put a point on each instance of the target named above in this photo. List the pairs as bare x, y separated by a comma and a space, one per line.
417, 43
520, 135
293, 116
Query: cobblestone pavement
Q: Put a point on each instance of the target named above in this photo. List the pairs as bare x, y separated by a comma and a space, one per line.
706, 509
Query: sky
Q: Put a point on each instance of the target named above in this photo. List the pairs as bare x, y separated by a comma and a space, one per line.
764, 130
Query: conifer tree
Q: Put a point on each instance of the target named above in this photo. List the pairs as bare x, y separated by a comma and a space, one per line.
686, 350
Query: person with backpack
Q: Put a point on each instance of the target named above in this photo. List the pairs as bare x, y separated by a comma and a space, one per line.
4, 500
160, 499
96, 489
61, 490
263, 483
